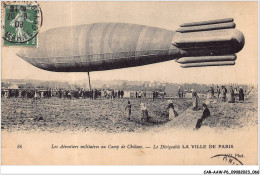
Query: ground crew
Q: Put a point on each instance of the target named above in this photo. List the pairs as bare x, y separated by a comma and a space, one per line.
144, 112
231, 98
195, 99
206, 114
172, 112
128, 110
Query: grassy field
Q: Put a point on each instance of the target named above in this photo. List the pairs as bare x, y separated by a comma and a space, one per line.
106, 115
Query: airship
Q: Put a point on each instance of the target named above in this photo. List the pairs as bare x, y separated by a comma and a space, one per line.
106, 46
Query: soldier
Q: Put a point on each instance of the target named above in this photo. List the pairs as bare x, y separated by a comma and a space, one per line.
69, 94
140, 94
172, 112
231, 98
43, 94
122, 94
153, 95
19, 93
91, 94
112, 94
195, 99
8, 92
2, 93
128, 110
49, 93
144, 94
223, 93
206, 114
145, 116
179, 92
25, 94
241, 94
212, 92
16, 93
95, 94
60, 93
235, 91
218, 91
36, 96
119, 94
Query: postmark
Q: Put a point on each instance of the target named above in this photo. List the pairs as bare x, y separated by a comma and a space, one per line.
22, 21
227, 159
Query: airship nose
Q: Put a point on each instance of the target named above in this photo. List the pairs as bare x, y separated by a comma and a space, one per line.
23, 53
20, 53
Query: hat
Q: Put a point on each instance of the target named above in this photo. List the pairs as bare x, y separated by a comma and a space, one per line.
204, 105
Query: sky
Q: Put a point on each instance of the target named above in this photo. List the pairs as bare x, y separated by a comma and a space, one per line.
168, 15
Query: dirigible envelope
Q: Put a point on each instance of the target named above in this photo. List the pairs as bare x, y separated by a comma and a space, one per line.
105, 46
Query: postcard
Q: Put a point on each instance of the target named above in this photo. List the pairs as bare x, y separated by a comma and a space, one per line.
129, 83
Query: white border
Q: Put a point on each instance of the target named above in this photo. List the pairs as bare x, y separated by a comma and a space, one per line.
128, 169
119, 169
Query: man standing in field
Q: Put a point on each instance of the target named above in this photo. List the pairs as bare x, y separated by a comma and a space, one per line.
172, 112
212, 92
153, 95
218, 91
195, 99
145, 116
206, 114
231, 98
128, 110
241, 94
223, 93
179, 92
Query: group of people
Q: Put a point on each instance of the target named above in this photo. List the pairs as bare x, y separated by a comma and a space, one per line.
232, 94
26, 93
172, 113
61, 93
144, 94
222, 93
78, 93
144, 112
205, 114
91, 94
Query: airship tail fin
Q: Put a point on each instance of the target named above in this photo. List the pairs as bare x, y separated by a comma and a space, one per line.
185, 60
207, 61
217, 21
214, 42
204, 64
218, 26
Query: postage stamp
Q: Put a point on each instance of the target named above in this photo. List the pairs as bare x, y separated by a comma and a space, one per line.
22, 21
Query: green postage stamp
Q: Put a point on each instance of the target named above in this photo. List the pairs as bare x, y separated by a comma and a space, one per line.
22, 21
